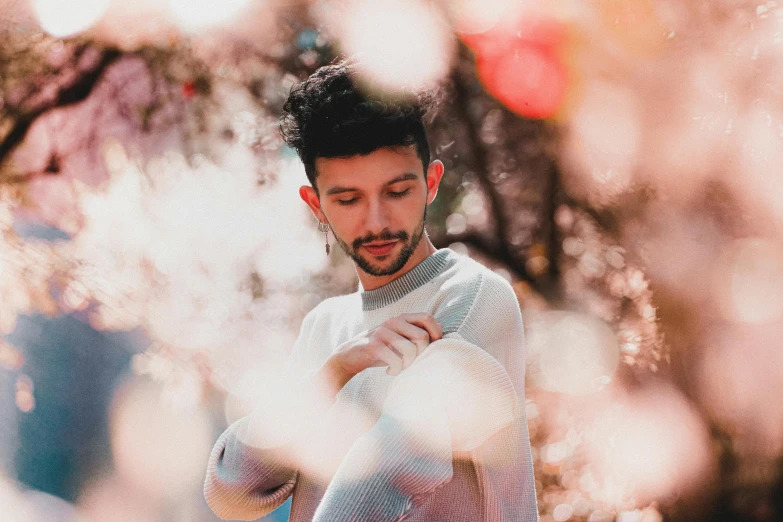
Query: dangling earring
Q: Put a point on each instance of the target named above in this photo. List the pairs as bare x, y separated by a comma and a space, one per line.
324, 227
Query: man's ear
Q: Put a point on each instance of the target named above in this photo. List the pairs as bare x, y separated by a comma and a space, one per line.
308, 195
434, 175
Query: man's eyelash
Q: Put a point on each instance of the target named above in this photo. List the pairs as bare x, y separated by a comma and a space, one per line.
392, 194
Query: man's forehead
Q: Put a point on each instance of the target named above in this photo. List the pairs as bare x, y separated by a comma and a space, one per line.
365, 172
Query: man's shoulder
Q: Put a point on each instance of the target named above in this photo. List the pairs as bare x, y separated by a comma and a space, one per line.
479, 306
318, 330
464, 286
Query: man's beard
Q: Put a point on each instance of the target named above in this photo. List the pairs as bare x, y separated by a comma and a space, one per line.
408, 247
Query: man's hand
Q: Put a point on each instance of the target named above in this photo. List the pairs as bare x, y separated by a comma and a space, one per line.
396, 343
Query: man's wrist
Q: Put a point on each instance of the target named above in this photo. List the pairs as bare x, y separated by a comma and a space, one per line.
330, 378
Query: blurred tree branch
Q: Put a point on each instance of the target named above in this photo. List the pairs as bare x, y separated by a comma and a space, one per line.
498, 246
77, 91
480, 165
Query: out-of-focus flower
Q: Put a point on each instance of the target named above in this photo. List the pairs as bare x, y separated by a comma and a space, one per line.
602, 143
738, 382
10, 358
194, 15
114, 498
182, 268
62, 18
400, 45
158, 448
25, 400
646, 446
749, 281
634, 25
478, 16
574, 353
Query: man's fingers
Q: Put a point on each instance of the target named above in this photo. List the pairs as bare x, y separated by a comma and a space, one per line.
408, 349
401, 339
390, 357
426, 321
416, 335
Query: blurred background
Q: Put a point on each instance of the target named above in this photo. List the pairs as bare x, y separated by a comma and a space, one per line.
617, 161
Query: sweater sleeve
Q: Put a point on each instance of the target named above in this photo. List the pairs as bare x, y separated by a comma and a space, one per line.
244, 482
503, 461
251, 470
452, 398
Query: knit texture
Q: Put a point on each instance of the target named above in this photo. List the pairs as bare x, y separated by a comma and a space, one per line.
445, 440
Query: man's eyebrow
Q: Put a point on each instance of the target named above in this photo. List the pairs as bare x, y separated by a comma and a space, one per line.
403, 177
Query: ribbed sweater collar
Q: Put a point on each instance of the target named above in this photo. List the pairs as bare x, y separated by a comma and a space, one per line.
409, 281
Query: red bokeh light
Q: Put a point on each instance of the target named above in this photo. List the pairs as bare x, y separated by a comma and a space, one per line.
519, 63
529, 80
531, 29
188, 90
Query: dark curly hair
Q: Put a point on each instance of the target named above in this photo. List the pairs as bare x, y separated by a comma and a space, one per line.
328, 115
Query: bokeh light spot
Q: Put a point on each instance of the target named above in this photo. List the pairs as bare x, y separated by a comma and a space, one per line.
530, 80
403, 44
194, 15
62, 18
158, 448
578, 353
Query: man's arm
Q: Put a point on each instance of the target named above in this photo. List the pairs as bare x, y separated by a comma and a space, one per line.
244, 482
504, 461
452, 398
251, 470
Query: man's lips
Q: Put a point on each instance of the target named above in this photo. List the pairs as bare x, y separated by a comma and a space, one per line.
380, 249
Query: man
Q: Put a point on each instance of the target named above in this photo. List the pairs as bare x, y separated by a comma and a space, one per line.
406, 397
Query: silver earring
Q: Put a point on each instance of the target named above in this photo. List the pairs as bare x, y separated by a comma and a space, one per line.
324, 227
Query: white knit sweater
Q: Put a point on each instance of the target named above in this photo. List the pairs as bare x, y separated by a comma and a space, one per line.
446, 440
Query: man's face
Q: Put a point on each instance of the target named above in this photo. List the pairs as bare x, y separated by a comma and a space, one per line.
377, 199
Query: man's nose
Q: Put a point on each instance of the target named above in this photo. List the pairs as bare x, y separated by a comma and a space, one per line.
377, 219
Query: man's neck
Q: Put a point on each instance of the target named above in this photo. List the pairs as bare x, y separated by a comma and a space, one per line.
422, 252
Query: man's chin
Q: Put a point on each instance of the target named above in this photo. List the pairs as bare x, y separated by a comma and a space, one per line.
377, 266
